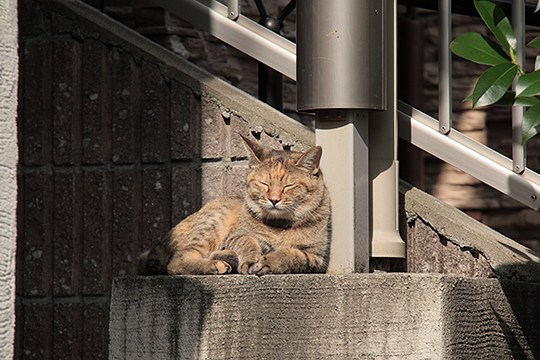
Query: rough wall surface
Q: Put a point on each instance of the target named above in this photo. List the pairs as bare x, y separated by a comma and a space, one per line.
8, 171
119, 139
374, 316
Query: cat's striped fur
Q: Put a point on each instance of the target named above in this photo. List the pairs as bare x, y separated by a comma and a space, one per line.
280, 226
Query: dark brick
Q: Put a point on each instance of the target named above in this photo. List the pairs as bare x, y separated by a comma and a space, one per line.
212, 182
96, 263
96, 102
37, 332
66, 101
212, 130
95, 329
68, 331
235, 181
61, 24
156, 211
67, 234
126, 221
185, 192
185, 122
36, 111
154, 115
428, 252
19, 331
34, 22
125, 113
37, 234
238, 127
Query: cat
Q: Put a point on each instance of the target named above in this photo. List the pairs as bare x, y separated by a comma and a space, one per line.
280, 226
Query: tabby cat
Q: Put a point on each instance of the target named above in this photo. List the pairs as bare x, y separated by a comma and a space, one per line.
280, 226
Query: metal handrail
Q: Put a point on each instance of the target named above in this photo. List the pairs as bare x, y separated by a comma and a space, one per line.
421, 130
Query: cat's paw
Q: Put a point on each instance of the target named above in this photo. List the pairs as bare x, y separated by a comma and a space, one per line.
220, 267
229, 256
244, 267
259, 269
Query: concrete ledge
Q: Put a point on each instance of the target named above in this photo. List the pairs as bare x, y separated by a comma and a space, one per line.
507, 258
374, 316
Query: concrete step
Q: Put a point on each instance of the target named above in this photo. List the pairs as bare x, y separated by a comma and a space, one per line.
358, 316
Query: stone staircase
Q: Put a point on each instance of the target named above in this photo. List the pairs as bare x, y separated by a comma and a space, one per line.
166, 131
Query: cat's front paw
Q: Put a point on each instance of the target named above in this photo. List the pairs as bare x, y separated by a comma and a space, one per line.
220, 267
260, 268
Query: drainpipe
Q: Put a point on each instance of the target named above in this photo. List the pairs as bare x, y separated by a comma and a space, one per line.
342, 77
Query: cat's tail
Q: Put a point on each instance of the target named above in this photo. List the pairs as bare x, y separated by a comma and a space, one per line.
154, 261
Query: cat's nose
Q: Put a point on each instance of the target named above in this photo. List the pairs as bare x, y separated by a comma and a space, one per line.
274, 201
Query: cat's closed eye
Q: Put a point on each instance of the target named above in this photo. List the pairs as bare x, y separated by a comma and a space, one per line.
263, 184
289, 187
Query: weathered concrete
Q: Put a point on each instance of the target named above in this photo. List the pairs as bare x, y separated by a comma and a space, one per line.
8, 171
507, 258
373, 316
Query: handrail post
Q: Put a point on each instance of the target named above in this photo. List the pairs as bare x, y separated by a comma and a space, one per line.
343, 65
445, 66
518, 149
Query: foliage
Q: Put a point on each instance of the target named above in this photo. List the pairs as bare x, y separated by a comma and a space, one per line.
494, 84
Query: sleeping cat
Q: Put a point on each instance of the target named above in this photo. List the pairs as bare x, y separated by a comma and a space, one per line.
280, 226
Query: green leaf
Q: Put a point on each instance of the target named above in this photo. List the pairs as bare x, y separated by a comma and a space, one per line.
537, 7
526, 101
535, 43
498, 23
493, 84
531, 123
528, 84
478, 48
507, 99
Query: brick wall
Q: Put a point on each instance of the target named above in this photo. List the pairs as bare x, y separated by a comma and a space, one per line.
114, 149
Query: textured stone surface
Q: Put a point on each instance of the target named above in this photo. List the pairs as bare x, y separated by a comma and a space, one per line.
377, 316
443, 239
9, 77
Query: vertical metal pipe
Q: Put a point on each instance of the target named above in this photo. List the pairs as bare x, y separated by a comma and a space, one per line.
340, 75
518, 149
445, 66
383, 165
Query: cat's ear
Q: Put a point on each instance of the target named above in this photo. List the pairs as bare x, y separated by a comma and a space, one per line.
256, 151
310, 160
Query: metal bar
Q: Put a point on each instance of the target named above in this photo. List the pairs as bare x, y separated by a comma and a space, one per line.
233, 9
247, 36
469, 155
518, 148
445, 66
287, 10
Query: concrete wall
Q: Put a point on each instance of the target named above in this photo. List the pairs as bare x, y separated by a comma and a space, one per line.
360, 316
8, 171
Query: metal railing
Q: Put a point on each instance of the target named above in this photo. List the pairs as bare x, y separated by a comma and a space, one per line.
510, 176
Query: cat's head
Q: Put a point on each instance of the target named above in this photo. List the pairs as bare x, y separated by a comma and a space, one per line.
284, 186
